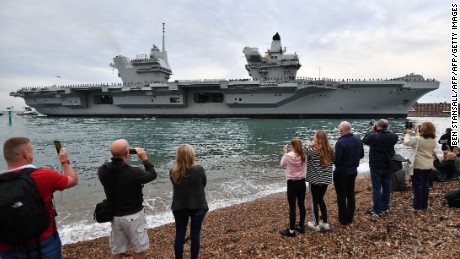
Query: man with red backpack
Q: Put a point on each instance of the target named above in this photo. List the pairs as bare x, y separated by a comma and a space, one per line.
20, 218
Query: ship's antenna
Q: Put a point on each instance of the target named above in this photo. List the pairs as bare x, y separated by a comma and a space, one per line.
163, 47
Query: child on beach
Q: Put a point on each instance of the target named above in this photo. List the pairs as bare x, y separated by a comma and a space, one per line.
320, 155
294, 163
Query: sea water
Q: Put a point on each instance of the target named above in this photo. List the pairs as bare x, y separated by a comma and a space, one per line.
241, 158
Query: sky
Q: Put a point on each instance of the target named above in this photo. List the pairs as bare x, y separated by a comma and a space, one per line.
61, 42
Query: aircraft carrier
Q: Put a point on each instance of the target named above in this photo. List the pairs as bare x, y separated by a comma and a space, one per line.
274, 91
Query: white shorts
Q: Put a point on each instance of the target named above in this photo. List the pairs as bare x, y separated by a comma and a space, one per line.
126, 230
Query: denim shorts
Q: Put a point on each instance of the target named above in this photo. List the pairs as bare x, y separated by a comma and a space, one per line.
130, 229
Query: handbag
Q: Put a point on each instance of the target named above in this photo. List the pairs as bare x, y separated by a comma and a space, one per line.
395, 161
104, 210
409, 166
396, 165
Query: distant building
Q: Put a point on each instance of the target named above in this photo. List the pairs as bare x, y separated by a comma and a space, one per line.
430, 110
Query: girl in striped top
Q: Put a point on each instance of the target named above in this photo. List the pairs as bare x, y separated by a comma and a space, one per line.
320, 156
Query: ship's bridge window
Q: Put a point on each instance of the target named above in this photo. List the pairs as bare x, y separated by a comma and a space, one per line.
174, 99
208, 97
103, 99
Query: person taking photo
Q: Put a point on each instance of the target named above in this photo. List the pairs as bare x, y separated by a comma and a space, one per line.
124, 183
294, 161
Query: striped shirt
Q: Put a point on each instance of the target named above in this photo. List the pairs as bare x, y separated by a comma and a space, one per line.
316, 173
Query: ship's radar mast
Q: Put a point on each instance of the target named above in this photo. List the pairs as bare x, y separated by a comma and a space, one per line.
163, 47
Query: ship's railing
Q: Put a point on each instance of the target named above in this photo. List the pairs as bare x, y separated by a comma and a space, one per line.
144, 61
282, 62
201, 80
154, 69
403, 79
302, 80
76, 86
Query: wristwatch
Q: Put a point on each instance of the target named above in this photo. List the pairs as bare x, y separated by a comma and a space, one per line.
65, 162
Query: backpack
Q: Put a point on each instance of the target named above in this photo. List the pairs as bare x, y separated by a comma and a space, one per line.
23, 214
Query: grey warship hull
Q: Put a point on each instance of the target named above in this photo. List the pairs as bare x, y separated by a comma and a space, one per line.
274, 91
392, 98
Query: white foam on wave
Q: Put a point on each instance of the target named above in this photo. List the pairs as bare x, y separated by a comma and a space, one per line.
84, 230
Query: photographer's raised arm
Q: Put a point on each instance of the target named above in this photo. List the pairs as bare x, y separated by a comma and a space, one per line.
68, 169
149, 167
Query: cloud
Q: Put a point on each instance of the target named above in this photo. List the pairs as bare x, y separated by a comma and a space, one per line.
204, 39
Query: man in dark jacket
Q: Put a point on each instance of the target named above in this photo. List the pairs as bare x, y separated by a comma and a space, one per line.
381, 148
445, 140
348, 151
123, 186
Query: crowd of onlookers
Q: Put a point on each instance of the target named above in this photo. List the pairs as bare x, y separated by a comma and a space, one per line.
319, 156
311, 167
122, 185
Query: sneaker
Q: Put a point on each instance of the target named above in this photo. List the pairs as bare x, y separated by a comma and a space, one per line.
372, 213
300, 229
385, 212
416, 211
313, 226
324, 226
287, 233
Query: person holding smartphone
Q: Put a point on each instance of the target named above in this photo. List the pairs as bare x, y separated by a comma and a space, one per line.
294, 161
424, 144
19, 155
123, 184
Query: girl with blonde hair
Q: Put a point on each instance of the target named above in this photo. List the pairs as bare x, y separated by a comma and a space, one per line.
189, 199
320, 155
294, 163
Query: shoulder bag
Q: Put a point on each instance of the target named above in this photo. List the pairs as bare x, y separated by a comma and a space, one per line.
398, 177
104, 210
409, 166
395, 160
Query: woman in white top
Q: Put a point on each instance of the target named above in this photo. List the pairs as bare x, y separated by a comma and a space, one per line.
423, 162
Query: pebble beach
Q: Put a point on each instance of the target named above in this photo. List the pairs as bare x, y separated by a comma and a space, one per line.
251, 230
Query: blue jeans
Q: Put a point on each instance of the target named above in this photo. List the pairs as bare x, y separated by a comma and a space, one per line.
181, 218
381, 189
421, 188
51, 249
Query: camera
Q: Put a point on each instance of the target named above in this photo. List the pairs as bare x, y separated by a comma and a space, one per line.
408, 124
132, 151
372, 123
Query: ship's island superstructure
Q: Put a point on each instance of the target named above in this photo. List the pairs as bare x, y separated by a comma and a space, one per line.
274, 91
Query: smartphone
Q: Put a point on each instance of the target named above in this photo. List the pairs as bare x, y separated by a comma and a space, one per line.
58, 146
132, 151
